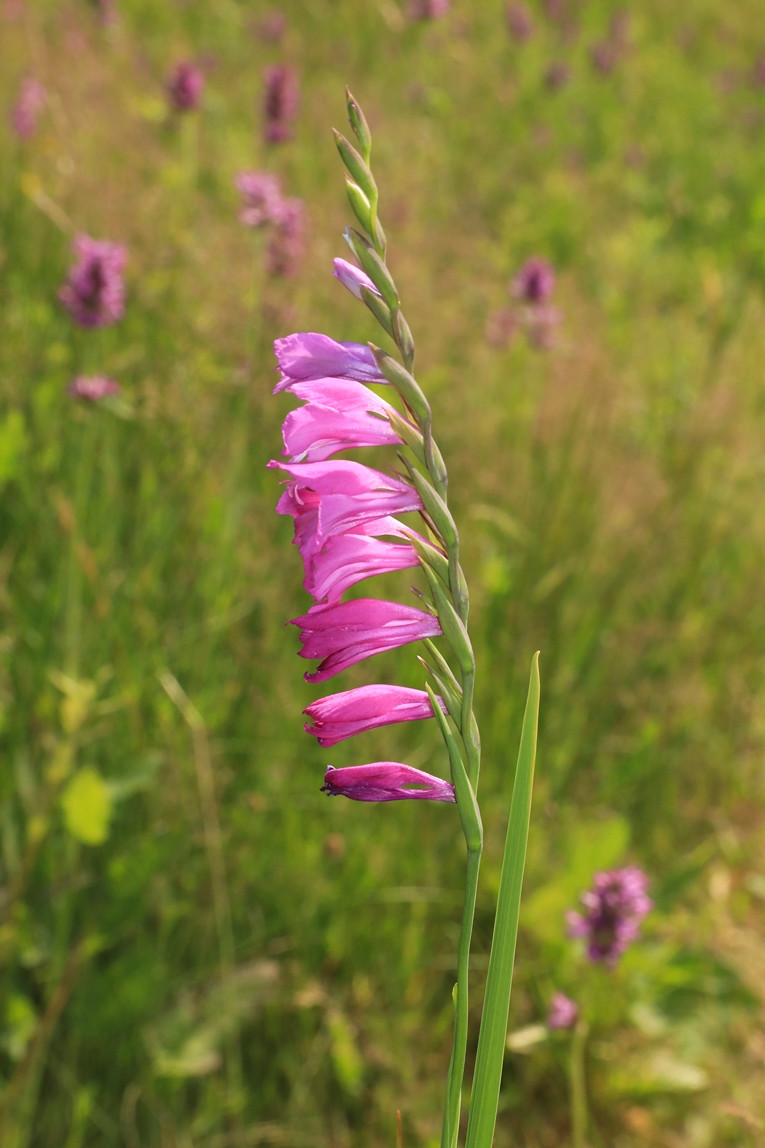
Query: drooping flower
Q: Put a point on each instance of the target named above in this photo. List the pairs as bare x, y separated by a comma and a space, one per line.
93, 388
350, 494
340, 414
352, 277
25, 112
386, 781
94, 293
185, 86
346, 559
563, 1013
261, 197
286, 238
343, 633
309, 355
280, 102
345, 714
534, 282
615, 907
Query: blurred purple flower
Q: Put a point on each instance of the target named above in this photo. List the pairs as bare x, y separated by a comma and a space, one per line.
280, 102
271, 28
286, 239
185, 86
534, 282
557, 75
427, 9
94, 293
345, 714
563, 1012
25, 112
615, 907
519, 22
385, 781
261, 197
309, 355
93, 388
352, 277
604, 56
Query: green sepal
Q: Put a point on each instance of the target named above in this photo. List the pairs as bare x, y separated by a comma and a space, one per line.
359, 203
373, 265
433, 558
358, 169
358, 122
444, 669
436, 508
409, 434
452, 701
451, 623
379, 309
466, 803
403, 336
406, 384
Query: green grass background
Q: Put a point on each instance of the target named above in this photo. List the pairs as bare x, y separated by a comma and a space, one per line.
196, 947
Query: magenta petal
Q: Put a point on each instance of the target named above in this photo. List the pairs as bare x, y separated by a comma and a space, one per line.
346, 559
309, 355
341, 414
345, 714
386, 781
344, 633
352, 277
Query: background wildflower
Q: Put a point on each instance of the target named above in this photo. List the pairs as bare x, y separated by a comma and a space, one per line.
26, 110
286, 237
93, 388
185, 86
261, 197
280, 102
94, 293
615, 907
563, 1012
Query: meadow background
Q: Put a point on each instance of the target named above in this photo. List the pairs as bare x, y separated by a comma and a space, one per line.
197, 948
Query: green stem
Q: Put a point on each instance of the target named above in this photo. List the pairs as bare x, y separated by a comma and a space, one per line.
459, 1049
577, 1089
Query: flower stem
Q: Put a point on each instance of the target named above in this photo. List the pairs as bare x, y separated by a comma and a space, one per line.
577, 1089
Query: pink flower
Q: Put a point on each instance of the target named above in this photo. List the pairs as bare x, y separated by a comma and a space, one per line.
352, 277
280, 102
563, 1012
286, 237
261, 197
386, 781
346, 559
25, 113
94, 294
534, 282
341, 413
345, 714
615, 908
308, 355
93, 388
343, 633
185, 86
350, 494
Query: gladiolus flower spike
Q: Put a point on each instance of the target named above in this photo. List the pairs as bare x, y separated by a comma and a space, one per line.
347, 527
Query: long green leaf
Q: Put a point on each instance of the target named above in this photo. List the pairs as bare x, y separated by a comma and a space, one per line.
493, 1032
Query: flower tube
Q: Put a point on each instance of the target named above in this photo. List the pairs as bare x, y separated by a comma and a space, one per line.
346, 559
386, 781
309, 355
343, 633
345, 714
352, 277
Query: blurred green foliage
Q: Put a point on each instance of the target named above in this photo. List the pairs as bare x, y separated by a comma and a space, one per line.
196, 948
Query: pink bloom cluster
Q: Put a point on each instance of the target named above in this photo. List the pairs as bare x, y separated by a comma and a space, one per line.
93, 388
185, 86
614, 909
280, 102
263, 205
94, 294
346, 530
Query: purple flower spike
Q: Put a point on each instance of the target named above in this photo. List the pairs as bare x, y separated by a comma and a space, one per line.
93, 388
343, 414
519, 22
261, 197
308, 355
286, 239
280, 102
352, 277
185, 86
343, 715
25, 113
534, 282
386, 781
615, 906
563, 1013
348, 632
94, 294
